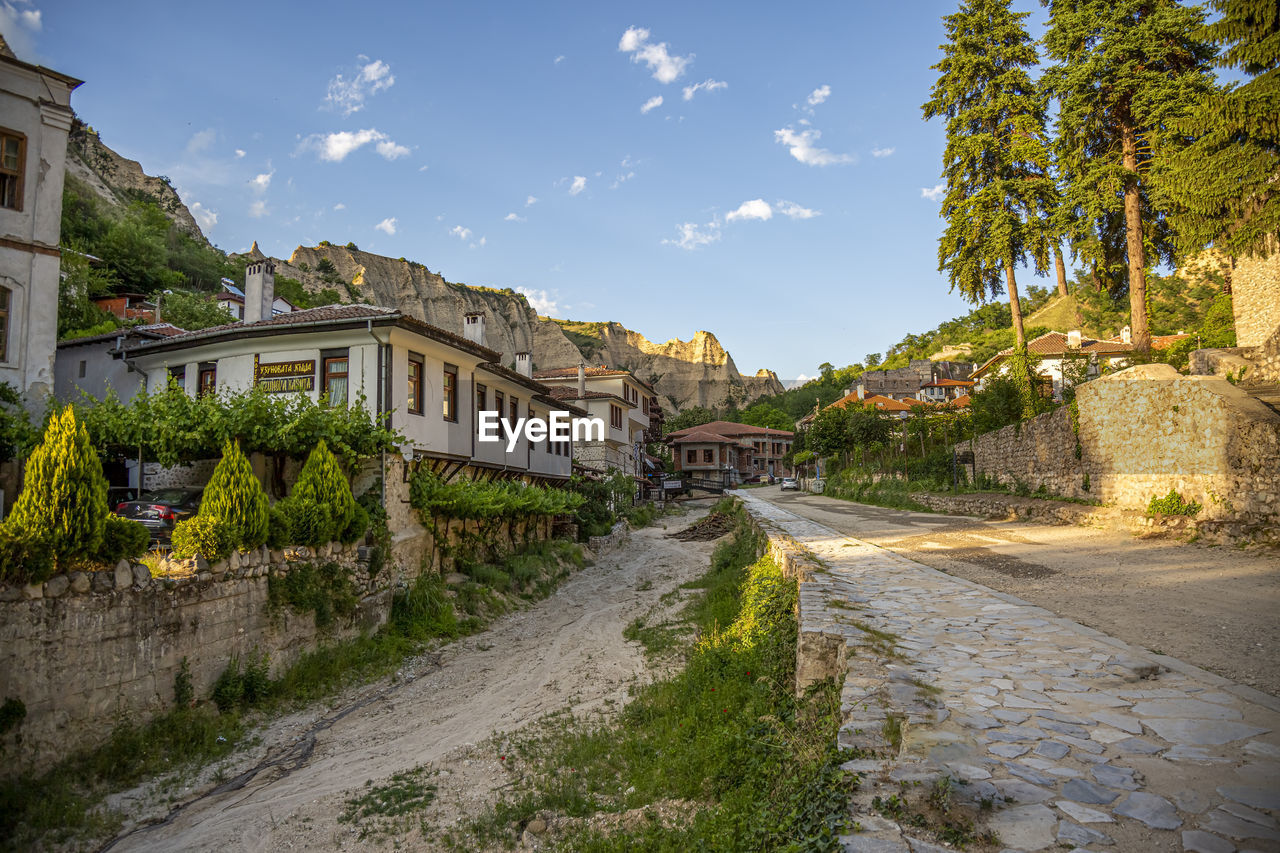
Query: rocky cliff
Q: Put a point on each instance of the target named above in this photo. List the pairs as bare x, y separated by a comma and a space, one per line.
698, 372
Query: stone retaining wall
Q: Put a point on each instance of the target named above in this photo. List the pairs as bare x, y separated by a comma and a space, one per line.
1142, 432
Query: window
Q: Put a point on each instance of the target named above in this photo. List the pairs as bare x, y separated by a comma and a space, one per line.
13, 161
178, 376
83, 365
515, 411
416, 366
482, 398
336, 369
4, 323
208, 382
615, 416
691, 456
644, 405
499, 404
708, 456
450, 393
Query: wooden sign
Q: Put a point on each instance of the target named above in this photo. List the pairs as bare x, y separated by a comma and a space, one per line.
287, 383
283, 369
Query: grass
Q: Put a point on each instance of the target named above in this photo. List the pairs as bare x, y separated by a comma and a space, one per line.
887, 492
376, 811
64, 803
723, 745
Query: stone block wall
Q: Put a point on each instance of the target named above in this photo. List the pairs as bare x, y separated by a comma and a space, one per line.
1142, 432
1255, 299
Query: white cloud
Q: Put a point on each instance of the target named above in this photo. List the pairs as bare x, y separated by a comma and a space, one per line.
621, 179
757, 208
540, 300
347, 95
339, 206
819, 95
803, 149
18, 24
258, 209
707, 85
423, 168
579, 184
882, 152
239, 153
387, 226
460, 232
204, 217
261, 182
334, 147
202, 141
934, 194
513, 217
802, 378
651, 104
558, 59
530, 201
664, 66
795, 211
695, 236
478, 243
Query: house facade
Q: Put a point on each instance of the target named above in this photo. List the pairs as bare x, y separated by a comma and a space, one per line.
628, 406
731, 452
35, 118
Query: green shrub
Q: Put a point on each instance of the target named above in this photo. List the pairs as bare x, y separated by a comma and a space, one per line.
1173, 504
323, 483
235, 496
204, 535
64, 497
356, 529
279, 527
123, 539
309, 523
24, 557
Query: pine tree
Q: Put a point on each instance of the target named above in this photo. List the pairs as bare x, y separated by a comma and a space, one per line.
1223, 187
235, 496
64, 496
1125, 70
322, 482
996, 163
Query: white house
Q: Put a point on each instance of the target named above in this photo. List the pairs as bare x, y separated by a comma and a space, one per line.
622, 401
35, 118
429, 384
231, 300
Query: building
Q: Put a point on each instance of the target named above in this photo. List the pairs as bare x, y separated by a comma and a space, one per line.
731, 452
1067, 359
35, 118
428, 384
946, 390
627, 405
231, 300
906, 382
90, 366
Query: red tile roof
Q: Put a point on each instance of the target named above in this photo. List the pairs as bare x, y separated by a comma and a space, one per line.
702, 436
572, 372
736, 429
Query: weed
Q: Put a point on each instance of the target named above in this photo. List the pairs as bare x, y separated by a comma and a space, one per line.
892, 731
403, 793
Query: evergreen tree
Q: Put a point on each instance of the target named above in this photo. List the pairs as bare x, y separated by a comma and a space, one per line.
323, 483
1125, 70
996, 163
235, 496
64, 495
1223, 187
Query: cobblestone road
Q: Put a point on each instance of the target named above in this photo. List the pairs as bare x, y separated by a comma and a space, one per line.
1074, 739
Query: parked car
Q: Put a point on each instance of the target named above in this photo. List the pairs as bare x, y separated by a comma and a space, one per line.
161, 510
790, 483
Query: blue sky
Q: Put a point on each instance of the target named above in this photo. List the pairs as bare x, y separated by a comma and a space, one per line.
776, 196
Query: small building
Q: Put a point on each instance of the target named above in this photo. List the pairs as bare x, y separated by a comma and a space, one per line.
946, 390
906, 382
35, 119
90, 366
731, 452
627, 405
231, 300
128, 306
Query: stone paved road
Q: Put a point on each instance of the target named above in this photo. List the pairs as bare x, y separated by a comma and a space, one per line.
1215, 607
1078, 740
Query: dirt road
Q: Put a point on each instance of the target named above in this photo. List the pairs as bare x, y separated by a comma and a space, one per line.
565, 650
1211, 606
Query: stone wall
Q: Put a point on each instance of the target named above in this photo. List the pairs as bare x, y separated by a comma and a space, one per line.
1142, 432
1255, 295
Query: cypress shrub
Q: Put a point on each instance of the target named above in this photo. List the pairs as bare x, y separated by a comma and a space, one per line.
235, 496
203, 535
123, 539
64, 498
357, 528
309, 523
24, 557
279, 527
323, 483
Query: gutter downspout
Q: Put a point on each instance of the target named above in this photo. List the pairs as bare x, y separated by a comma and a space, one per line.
380, 405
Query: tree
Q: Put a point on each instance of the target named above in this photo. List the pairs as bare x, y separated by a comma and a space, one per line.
322, 483
1125, 70
1222, 188
64, 495
871, 360
996, 163
191, 311
234, 495
690, 417
829, 433
764, 415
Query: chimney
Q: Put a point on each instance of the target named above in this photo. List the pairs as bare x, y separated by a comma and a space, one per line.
1073, 339
259, 290
473, 327
862, 391
582, 379
846, 392
524, 364
1126, 335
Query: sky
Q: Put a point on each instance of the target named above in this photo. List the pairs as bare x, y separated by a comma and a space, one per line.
757, 170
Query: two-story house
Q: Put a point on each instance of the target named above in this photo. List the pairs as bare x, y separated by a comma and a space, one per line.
628, 406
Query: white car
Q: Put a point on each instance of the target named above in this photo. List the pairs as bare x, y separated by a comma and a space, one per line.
790, 483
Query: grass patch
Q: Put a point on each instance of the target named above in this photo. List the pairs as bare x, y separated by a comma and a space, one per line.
756, 766
378, 807
886, 492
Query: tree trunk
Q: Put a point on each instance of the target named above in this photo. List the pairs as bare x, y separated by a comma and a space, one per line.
1015, 306
1097, 279
1062, 270
1133, 231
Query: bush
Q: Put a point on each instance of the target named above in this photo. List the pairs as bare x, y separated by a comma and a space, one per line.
235, 496
323, 483
64, 498
24, 557
356, 529
1173, 504
123, 539
308, 522
204, 535
279, 527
